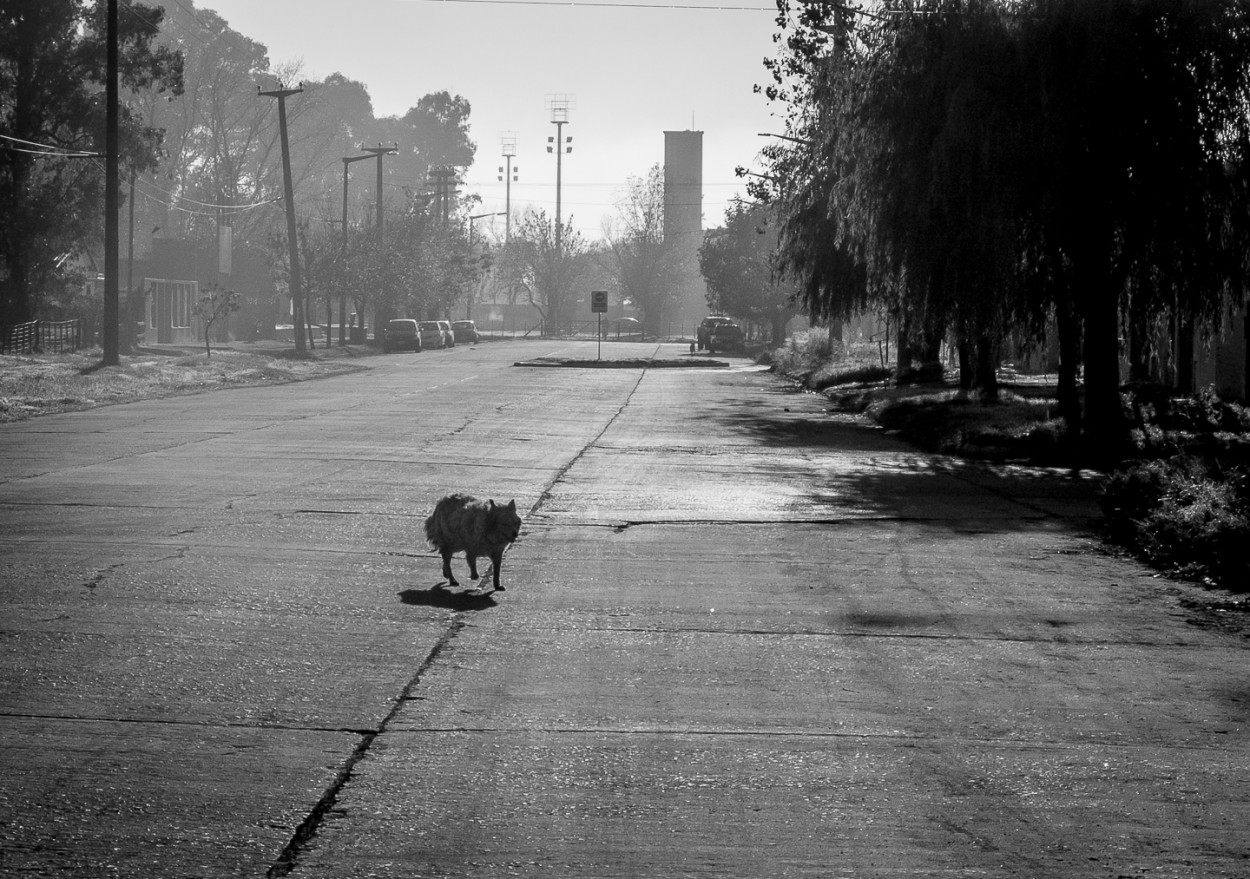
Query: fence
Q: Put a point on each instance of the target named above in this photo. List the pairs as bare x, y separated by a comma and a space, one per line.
44, 336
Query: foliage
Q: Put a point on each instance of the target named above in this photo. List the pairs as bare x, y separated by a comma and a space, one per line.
646, 265
541, 261
736, 262
52, 73
214, 305
1186, 514
979, 166
223, 145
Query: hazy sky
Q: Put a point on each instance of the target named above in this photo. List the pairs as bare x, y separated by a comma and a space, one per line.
633, 69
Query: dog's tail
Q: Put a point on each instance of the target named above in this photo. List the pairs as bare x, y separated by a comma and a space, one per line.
431, 531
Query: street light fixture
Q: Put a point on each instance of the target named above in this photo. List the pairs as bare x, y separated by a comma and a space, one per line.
508, 143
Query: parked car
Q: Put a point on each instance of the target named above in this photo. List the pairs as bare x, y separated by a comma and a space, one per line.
449, 335
726, 337
623, 328
401, 335
431, 334
464, 331
704, 332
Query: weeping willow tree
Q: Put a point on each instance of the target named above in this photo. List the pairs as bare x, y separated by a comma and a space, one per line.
987, 166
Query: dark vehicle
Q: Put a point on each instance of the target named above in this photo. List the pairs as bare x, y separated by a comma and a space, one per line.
431, 334
704, 332
464, 331
623, 328
726, 337
449, 335
401, 335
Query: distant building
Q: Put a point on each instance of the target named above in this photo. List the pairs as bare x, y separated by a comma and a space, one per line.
683, 225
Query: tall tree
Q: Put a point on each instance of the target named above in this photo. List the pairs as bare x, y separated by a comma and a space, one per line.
543, 266
647, 267
52, 73
737, 263
991, 163
1145, 192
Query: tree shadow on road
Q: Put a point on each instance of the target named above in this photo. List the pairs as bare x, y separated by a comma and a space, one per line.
852, 463
437, 596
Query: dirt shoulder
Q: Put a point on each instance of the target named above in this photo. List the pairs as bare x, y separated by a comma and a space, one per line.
43, 384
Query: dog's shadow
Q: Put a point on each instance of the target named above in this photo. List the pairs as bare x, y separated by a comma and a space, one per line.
440, 597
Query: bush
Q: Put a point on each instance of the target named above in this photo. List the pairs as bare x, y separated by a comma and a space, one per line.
819, 363
1185, 514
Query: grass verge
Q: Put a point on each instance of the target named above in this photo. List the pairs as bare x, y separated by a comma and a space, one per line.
32, 385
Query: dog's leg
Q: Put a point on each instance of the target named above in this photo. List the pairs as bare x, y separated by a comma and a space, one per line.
451, 578
496, 560
472, 560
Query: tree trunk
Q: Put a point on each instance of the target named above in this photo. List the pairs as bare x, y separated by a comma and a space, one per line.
1068, 328
1104, 421
967, 372
1138, 347
1185, 355
779, 321
987, 368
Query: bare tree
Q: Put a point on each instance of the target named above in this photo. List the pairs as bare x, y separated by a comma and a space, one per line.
647, 267
542, 261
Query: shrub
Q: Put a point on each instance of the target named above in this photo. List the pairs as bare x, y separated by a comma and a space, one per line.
1185, 514
819, 363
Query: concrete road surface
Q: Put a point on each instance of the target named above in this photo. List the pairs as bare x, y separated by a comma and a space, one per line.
741, 637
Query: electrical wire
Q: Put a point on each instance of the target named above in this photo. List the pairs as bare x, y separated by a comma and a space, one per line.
199, 213
43, 149
205, 204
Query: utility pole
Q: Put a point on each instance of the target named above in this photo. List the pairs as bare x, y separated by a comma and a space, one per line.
347, 160
380, 151
442, 178
130, 337
288, 191
508, 140
382, 312
109, 339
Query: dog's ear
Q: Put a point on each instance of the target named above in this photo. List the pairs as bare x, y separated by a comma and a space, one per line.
490, 504
512, 505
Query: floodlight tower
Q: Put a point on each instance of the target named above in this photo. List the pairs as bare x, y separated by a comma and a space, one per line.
508, 142
559, 105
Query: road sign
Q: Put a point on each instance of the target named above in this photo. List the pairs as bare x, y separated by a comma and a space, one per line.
598, 301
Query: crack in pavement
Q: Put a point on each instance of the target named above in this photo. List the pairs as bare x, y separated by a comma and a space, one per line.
307, 830
546, 494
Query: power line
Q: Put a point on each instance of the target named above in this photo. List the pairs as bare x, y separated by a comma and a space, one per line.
43, 149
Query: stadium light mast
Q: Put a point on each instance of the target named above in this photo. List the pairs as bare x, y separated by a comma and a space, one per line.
508, 175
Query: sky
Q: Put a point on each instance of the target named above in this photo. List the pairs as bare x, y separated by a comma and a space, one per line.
630, 71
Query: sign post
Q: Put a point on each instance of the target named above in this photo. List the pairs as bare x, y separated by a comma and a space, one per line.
599, 305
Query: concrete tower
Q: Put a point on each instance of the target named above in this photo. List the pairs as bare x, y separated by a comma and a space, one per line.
683, 223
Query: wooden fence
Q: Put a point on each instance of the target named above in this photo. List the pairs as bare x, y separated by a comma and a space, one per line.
44, 336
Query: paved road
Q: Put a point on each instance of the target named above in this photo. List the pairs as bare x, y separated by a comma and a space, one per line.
742, 637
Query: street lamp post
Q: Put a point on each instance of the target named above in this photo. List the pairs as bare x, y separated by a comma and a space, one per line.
468, 314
